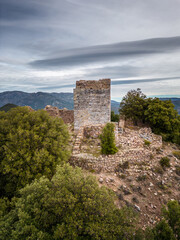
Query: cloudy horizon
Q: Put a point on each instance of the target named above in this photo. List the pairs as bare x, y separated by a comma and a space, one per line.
49, 45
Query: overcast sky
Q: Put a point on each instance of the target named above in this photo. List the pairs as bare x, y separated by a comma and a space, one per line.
46, 45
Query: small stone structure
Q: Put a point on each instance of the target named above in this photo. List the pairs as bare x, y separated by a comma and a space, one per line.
92, 103
66, 115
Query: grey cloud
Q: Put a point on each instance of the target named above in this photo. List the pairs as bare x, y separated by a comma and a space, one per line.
114, 82
19, 10
103, 53
118, 82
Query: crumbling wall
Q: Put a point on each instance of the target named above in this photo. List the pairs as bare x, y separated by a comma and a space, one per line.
132, 148
92, 103
66, 115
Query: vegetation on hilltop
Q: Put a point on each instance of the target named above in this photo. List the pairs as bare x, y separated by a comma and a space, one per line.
114, 117
70, 206
159, 115
107, 137
43, 197
31, 145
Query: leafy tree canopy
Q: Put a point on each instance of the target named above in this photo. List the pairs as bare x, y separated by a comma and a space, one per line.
172, 214
133, 105
159, 115
114, 117
163, 119
70, 206
107, 137
31, 145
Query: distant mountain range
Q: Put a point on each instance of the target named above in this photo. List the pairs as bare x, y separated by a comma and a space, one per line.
61, 100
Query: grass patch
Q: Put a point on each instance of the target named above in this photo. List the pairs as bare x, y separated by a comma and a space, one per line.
159, 170
141, 178
122, 166
177, 170
122, 176
165, 162
147, 143
176, 154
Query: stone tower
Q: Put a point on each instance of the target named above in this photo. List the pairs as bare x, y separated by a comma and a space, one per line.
92, 103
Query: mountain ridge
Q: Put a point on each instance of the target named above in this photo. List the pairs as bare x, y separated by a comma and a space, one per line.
38, 100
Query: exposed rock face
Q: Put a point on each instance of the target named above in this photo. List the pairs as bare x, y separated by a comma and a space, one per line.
92, 103
66, 115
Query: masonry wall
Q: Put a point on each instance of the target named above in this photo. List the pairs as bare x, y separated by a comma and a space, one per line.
92, 103
66, 115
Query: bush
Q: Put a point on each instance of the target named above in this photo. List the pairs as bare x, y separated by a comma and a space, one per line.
147, 143
122, 166
163, 231
172, 215
141, 178
176, 154
70, 206
107, 137
165, 162
31, 145
177, 170
158, 169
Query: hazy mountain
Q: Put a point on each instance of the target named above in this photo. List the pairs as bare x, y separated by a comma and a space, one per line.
37, 100
61, 100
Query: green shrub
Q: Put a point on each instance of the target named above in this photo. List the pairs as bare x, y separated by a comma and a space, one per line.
176, 154
122, 176
107, 137
158, 169
141, 177
177, 170
69, 206
165, 162
147, 143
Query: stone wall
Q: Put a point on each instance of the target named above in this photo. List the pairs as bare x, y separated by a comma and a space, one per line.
131, 144
92, 103
66, 115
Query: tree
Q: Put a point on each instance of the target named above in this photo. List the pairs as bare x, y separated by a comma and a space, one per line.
163, 119
172, 214
31, 145
107, 137
133, 105
70, 206
159, 115
114, 117
162, 231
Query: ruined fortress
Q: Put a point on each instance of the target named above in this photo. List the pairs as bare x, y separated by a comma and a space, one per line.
92, 103
92, 110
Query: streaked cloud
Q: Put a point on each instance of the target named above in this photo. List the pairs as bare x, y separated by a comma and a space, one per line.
48, 45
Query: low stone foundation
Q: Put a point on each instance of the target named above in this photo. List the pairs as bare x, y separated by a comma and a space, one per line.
131, 144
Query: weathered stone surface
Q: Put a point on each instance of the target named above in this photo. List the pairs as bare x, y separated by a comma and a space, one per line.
92, 103
66, 115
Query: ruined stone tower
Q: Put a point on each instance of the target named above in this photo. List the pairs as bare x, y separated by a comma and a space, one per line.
92, 103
